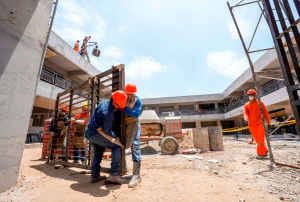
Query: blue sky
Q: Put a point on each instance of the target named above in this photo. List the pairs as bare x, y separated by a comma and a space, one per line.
169, 48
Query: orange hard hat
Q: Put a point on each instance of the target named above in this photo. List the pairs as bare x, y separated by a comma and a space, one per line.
120, 98
251, 92
130, 88
65, 109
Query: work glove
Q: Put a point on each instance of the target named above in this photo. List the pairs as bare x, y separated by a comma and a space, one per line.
52, 134
246, 121
63, 132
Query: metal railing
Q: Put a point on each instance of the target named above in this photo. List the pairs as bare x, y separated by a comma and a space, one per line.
244, 99
191, 112
56, 79
263, 92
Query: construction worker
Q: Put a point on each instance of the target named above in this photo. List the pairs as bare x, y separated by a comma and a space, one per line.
100, 135
79, 121
59, 134
253, 118
133, 130
76, 47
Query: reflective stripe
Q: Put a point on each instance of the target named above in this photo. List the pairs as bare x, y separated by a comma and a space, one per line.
261, 144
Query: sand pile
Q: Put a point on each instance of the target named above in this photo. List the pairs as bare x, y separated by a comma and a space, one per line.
187, 141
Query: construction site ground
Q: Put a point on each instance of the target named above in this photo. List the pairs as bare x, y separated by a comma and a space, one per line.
237, 175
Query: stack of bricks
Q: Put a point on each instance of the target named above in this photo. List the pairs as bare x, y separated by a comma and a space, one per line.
46, 139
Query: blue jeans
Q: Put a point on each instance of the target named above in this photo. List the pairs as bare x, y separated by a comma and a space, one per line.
293, 129
278, 131
77, 154
99, 143
135, 147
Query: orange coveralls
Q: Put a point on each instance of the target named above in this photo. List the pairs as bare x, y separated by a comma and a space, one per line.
255, 123
76, 47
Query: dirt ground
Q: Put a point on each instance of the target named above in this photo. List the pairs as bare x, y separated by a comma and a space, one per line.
237, 175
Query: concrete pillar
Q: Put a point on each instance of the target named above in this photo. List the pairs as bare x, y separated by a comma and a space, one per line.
196, 107
157, 109
23, 30
219, 123
288, 110
216, 105
198, 124
176, 108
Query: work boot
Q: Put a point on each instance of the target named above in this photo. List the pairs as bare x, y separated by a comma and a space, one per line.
76, 161
136, 179
259, 157
267, 153
97, 179
116, 179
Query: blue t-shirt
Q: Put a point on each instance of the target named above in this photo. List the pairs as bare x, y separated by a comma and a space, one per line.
103, 116
136, 109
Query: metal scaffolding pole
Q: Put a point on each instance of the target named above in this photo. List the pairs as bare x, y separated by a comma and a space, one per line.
255, 84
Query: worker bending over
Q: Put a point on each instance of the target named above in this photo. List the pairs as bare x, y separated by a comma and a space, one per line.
253, 118
133, 130
79, 121
59, 133
100, 135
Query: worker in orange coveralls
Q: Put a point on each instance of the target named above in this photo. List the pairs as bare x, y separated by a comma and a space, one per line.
76, 47
253, 118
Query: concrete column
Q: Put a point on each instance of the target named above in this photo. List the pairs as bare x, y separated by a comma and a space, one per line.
288, 110
22, 35
198, 124
176, 108
196, 107
157, 109
216, 105
219, 123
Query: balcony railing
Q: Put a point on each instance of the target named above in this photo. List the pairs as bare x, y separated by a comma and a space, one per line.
263, 92
56, 79
192, 112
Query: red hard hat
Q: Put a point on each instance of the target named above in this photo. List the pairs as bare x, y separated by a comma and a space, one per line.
65, 109
251, 92
130, 88
120, 98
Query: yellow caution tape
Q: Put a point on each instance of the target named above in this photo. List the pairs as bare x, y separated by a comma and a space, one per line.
228, 130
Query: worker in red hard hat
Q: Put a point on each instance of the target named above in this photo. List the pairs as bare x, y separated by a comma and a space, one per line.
253, 118
76, 47
132, 112
100, 135
58, 133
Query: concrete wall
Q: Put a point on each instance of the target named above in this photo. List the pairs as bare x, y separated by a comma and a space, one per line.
23, 28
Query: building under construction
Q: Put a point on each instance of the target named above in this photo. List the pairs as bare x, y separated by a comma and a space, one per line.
32, 75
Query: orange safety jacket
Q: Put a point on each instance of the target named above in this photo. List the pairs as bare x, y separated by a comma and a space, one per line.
76, 47
82, 115
252, 113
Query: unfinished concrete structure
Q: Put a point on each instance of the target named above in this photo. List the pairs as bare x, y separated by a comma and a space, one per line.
226, 109
23, 30
62, 68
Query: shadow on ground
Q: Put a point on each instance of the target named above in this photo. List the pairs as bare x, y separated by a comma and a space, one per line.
81, 181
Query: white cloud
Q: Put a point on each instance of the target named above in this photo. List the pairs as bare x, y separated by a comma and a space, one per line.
153, 95
227, 63
245, 27
143, 68
112, 51
73, 21
121, 29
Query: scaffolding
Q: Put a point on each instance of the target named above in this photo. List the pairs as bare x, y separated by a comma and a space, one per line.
92, 91
281, 6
